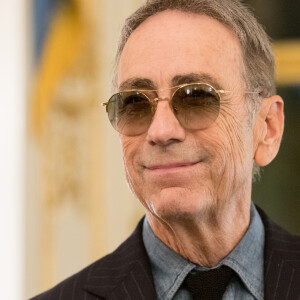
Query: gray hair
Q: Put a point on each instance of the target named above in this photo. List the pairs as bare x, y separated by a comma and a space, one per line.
255, 44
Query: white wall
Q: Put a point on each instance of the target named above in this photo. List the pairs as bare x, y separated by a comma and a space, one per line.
12, 141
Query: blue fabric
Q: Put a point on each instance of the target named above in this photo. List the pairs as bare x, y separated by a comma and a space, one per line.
246, 259
43, 13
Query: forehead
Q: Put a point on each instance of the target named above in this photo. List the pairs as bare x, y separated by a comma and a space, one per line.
173, 43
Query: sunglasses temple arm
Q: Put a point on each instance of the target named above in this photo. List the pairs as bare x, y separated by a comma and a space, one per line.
245, 92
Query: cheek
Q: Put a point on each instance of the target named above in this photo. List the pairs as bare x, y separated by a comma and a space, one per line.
131, 148
230, 145
234, 147
235, 128
128, 147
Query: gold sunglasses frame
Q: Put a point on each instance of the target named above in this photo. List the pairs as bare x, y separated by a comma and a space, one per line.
154, 101
177, 87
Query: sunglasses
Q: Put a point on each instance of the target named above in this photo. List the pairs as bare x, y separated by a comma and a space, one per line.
195, 105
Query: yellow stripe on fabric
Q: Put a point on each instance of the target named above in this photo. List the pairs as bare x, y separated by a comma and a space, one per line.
62, 48
287, 58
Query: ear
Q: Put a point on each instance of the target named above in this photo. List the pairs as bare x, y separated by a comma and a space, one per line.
268, 130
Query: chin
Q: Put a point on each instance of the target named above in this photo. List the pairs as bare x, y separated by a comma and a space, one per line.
179, 204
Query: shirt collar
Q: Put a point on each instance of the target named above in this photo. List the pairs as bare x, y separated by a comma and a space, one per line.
169, 269
246, 259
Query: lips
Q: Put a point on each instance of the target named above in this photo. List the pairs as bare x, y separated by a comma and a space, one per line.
171, 166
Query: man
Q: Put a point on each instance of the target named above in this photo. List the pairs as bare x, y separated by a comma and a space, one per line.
196, 113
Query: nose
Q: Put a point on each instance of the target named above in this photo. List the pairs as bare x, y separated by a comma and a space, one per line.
165, 129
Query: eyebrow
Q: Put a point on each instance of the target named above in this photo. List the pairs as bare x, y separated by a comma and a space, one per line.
147, 84
195, 77
137, 83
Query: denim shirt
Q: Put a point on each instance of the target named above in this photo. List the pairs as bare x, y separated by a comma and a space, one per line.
247, 260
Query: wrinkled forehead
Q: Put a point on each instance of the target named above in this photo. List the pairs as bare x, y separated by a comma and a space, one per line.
173, 42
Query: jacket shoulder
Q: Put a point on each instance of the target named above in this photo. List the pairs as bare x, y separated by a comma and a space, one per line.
73, 285
107, 268
282, 262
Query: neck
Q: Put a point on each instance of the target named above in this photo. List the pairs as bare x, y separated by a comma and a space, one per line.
206, 239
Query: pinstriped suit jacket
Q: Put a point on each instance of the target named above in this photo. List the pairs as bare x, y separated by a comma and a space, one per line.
126, 273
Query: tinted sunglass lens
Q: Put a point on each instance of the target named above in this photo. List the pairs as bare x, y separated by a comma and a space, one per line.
196, 106
130, 113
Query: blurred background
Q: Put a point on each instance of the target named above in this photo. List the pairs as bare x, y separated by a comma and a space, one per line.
65, 201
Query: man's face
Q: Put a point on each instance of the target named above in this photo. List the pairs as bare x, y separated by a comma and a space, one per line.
176, 172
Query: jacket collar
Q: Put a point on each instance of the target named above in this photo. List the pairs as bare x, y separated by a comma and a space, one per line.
282, 262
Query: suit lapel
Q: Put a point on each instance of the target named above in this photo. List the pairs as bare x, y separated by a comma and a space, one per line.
124, 274
137, 285
282, 262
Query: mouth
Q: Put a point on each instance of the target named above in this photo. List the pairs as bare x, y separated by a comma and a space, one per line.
173, 166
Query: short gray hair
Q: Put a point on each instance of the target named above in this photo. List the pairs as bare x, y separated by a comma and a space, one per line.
258, 58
